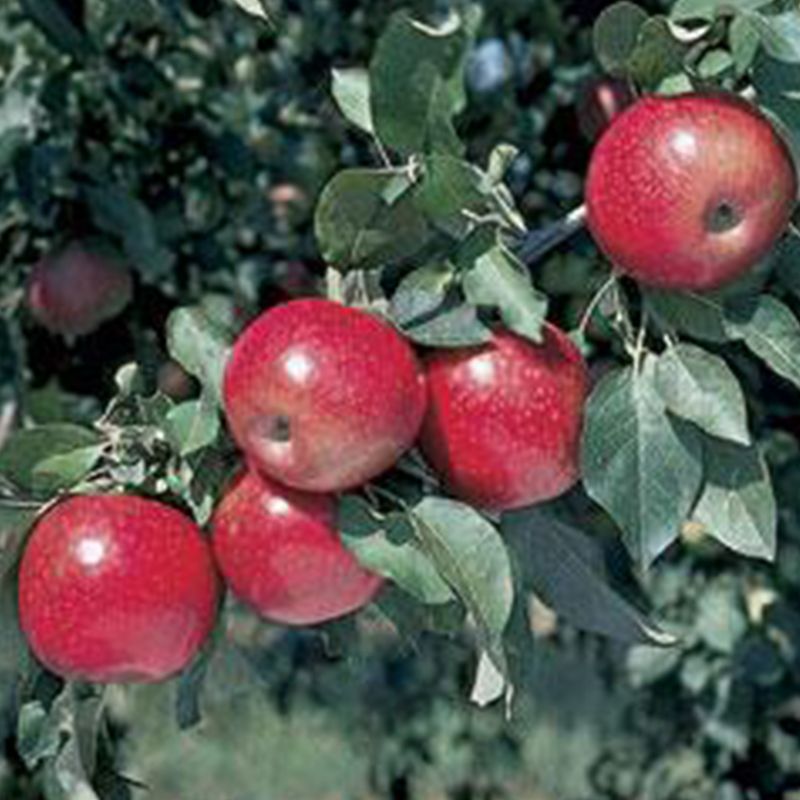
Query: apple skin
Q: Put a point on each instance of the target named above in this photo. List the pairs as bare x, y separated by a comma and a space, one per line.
279, 551
599, 102
116, 589
74, 290
504, 419
689, 192
323, 397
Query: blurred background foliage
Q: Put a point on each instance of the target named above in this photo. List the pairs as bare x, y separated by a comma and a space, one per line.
197, 138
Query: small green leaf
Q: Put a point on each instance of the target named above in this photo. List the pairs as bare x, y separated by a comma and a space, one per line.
386, 545
490, 683
200, 346
494, 278
365, 219
256, 8
15, 520
641, 465
702, 316
737, 505
615, 34
55, 23
470, 555
780, 34
64, 470
714, 63
416, 76
27, 449
566, 569
700, 387
788, 264
772, 332
778, 91
194, 424
658, 55
350, 89
721, 621
116, 211
744, 42
707, 10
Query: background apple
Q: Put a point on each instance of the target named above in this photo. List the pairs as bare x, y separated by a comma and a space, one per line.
689, 192
504, 419
279, 551
600, 100
323, 397
74, 290
116, 589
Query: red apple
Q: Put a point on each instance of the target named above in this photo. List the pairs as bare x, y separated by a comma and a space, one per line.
599, 102
504, 419
279, 551
323, 397
74, 290
689, 192
116, 589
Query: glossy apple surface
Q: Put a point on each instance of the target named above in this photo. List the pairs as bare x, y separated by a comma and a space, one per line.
504, 419
323, 397
279, 551
116, 589
689, 192
74, 290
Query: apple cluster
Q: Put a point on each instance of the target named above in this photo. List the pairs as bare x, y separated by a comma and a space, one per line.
323, 398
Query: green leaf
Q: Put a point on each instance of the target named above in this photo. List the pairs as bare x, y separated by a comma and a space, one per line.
27, 449
737, 505
772, 332
64, 470
566, 569
641, 465
351, 91
744, 42
490, 683
657, 56
194, 424
700, 387
708, 10
256, 8
702, 316
470, 555
780, 34
116, 211
200, 346
714, 63
431, 311
365, 219
779, 93
453, 193
15, 521
416, 76
62, 740
386, 545
721, 621
52, 20
495, 279
615, 34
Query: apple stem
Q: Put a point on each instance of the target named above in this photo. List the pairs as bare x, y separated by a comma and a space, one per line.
595, 302
538, 243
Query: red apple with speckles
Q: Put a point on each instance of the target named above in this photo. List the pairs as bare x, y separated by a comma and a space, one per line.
689, 192
279, 551
323, 397
504, 419
116, 589
74, 290
599, 102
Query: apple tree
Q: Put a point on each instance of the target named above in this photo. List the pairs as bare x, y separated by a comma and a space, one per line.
435, 442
